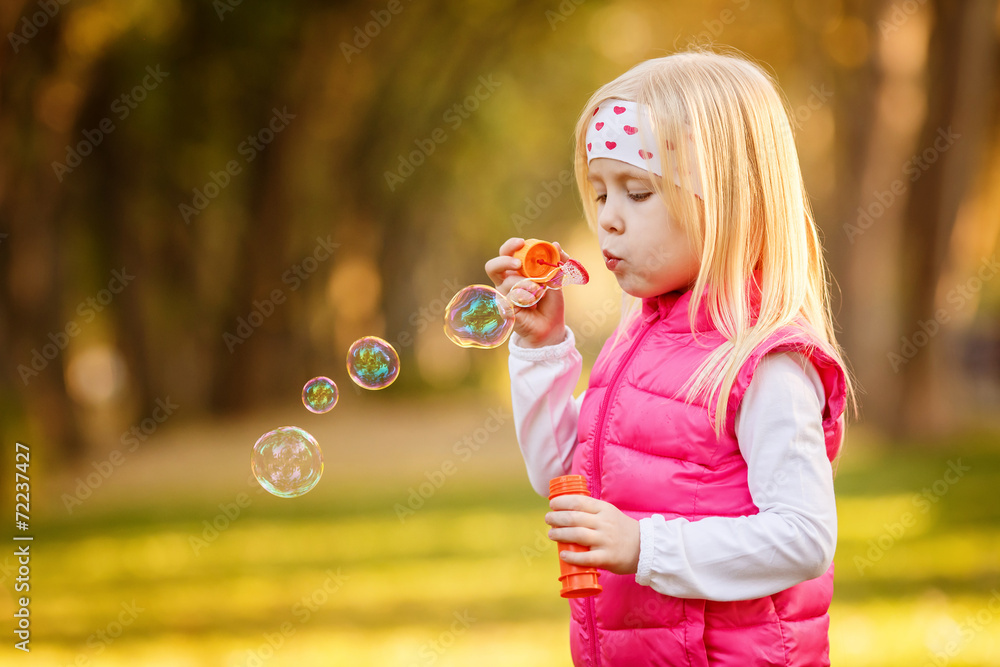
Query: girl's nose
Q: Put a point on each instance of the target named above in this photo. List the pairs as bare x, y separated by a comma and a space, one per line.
609, 218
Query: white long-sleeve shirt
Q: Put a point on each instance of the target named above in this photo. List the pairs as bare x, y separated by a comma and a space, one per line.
780, 433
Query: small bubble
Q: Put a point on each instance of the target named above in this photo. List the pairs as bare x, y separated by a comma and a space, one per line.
287, 462
556, 282
526, 293
478, 316
372, 363
320, 395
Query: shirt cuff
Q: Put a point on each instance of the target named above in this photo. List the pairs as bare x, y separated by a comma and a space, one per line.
546, 353
647, 548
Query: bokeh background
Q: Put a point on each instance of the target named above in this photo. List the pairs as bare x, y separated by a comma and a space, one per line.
203, 203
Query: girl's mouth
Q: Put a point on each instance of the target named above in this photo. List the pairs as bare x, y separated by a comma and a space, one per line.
611, 261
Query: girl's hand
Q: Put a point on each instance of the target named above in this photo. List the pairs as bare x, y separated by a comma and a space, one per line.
613, 537
541, 324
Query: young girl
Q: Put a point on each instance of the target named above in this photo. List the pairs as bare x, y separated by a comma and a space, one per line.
712, 416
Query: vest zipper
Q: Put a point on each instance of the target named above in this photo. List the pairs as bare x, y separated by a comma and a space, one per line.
595, 656
612, 387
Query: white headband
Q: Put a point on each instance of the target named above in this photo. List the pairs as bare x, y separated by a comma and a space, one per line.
614, 132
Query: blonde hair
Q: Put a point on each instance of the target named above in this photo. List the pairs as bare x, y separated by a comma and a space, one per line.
756, 211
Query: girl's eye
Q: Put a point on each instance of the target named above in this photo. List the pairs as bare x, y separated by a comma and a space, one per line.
634, 196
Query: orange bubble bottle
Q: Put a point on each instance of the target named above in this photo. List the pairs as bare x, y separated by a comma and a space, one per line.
539, 259
577, 582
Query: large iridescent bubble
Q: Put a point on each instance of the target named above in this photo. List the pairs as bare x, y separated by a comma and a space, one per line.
479, 316
372, 363
287, 462
320, 395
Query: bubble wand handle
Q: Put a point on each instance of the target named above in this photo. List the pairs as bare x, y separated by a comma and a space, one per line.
577, 581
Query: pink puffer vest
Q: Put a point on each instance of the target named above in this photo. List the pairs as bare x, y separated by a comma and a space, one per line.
646, 451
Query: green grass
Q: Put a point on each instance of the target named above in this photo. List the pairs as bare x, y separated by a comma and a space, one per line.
338, 579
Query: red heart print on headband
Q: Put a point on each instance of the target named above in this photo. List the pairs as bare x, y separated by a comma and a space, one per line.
617, 132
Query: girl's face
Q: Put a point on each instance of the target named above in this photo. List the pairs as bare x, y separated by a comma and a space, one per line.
644, 246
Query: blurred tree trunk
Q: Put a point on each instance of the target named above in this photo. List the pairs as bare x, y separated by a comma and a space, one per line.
33, 332
961, 110
247, 373
910, 180
866, 330
446, 78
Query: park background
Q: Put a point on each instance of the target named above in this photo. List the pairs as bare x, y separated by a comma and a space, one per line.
202, 204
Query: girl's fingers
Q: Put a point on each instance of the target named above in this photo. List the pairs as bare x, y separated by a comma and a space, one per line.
510, 245
575, 502
508, 282
582, 536
568, 518
498, 268
582, 558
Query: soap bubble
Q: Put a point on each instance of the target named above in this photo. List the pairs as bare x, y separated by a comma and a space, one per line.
526, 293
556, 281
478, 316
287, 462
547, 276
372, 363
320, 395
